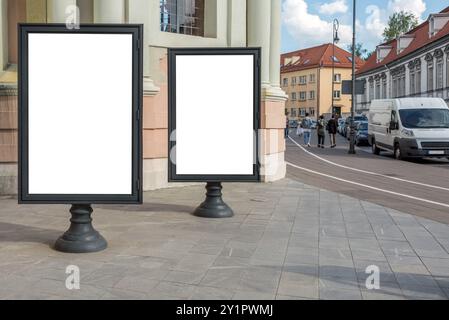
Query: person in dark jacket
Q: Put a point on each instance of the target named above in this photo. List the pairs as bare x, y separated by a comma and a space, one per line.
321, 127
332, 126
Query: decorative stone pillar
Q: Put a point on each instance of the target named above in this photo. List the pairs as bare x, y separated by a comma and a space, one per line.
275, 44
155, 100
109, 11
264, 30
259, 28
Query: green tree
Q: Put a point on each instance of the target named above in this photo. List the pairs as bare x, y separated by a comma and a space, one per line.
360, 51
399, 23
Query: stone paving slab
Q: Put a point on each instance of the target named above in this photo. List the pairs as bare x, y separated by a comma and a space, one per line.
287, 241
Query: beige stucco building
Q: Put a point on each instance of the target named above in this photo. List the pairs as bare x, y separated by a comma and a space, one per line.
306, 77
168, 23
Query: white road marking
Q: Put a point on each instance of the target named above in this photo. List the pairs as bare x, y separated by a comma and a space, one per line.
368, 187
367, 172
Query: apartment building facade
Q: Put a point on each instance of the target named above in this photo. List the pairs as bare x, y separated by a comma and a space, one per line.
311, 76
167, 24
415, 64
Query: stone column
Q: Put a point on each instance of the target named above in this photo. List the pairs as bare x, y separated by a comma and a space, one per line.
275, 44
109, 11
57, 10
259, 28
264, 30
155, 100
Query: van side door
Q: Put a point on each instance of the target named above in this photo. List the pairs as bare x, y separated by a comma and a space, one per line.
393, 128
380, 119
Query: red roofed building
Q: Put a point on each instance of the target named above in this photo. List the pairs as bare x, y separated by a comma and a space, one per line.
306, 76
414, 65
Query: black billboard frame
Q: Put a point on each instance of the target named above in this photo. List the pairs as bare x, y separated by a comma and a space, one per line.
136, 197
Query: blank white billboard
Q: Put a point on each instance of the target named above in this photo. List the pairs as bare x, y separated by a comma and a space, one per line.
80, 114
215, 115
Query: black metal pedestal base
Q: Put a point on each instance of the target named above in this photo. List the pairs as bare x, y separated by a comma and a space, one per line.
214, 206
81, 236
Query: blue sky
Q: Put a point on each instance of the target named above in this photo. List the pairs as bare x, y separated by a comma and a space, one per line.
307, 23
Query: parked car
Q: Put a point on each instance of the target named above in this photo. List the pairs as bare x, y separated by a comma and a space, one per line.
347, 129
361, 136
341, 125
410, 127
293, 124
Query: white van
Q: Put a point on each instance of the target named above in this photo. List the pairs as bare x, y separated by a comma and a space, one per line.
409, 127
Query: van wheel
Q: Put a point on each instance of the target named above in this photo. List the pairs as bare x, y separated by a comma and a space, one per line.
397, 152
376, 150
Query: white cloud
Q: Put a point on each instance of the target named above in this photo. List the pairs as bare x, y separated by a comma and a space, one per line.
331, 8
377, 18
309, 29
314, 29
375, 22
417, 7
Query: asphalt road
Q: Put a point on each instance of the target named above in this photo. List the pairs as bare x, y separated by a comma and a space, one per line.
418, 187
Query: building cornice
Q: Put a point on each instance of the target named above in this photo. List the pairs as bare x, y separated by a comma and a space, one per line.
411, 55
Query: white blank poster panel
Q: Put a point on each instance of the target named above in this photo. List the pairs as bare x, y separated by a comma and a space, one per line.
80, 114
215, 115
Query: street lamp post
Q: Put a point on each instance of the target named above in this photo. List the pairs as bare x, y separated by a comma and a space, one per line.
335, 40
352, 131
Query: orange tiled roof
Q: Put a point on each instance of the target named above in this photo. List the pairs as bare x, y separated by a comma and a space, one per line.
318, 56
421, 39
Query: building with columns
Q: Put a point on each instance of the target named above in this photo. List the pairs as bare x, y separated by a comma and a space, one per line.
167, 23
415, 64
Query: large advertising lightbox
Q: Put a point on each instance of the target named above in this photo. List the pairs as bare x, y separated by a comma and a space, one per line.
80, 99
214, 101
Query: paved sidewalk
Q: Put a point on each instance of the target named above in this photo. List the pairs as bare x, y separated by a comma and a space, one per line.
287, 241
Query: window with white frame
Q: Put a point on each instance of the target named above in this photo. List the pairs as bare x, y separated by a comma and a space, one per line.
377, 94
337, 77
440, 73
303, 96
418, 88
312, 78
293, 112
303, 80
293, 96
384, 87
285, 82
312, 95
371, 90
402, 84
412, 81
430, 71
302, 112
312, 112
394, 87
294, 81
182, 16
337, 94
365, 90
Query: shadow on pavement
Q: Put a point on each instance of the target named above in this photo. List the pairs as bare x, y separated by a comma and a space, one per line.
341, 278
150, 207
20, 233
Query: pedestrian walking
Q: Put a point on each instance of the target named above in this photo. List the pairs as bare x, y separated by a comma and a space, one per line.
321, 131
287, 128
332, 126
306, 125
